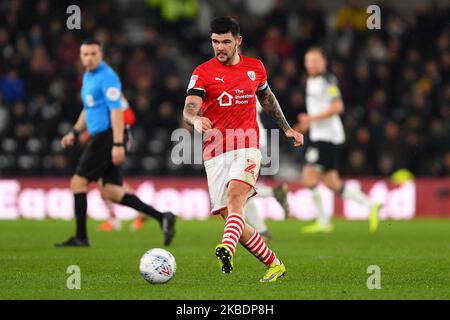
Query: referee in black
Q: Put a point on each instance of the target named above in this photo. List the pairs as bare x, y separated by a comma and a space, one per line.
105, 151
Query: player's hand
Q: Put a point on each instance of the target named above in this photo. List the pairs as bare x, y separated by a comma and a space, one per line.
68, 140
304, 119
118, 155
202, 124
296, 136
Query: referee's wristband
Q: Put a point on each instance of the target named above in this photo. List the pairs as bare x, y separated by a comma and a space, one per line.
119, 144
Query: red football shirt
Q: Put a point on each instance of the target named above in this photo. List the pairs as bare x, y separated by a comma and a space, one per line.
229, 101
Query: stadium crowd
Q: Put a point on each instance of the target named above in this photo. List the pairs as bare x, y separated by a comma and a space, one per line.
395, 81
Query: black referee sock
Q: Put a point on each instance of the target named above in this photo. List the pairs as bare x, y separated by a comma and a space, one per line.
80, 215
130, 200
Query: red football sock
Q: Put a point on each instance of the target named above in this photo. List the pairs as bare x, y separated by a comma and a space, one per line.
259, 249
234, 226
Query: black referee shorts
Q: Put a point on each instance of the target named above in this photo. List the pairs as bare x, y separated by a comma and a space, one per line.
96, 161
325, 155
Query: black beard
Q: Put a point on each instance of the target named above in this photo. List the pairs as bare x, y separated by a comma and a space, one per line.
228, 58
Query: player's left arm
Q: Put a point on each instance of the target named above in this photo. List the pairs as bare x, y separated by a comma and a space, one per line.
272, 108
191, 114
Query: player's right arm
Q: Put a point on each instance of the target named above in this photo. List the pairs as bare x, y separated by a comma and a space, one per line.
191, 110
69, 139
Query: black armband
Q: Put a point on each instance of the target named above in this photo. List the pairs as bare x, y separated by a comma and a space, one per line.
264, 87
196, 92
119, 144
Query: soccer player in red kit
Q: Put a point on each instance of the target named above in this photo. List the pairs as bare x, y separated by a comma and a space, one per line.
221, 104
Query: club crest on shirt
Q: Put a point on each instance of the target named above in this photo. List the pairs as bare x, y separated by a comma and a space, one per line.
251, 75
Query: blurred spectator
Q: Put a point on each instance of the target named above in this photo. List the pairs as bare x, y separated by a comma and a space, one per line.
353, 15
275, 43
68, 49
139, 70
12, 87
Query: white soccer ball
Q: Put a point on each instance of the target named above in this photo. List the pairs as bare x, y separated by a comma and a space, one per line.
157, 266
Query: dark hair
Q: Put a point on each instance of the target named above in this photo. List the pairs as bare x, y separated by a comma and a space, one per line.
222, 25
318, 49
90, 41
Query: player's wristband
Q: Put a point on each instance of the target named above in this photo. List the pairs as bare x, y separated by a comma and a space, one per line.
119, 144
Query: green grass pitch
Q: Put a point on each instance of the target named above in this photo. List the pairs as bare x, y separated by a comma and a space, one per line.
414, 257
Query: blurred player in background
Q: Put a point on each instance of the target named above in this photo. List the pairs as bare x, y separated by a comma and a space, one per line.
221, 104
326, 136
102, 116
